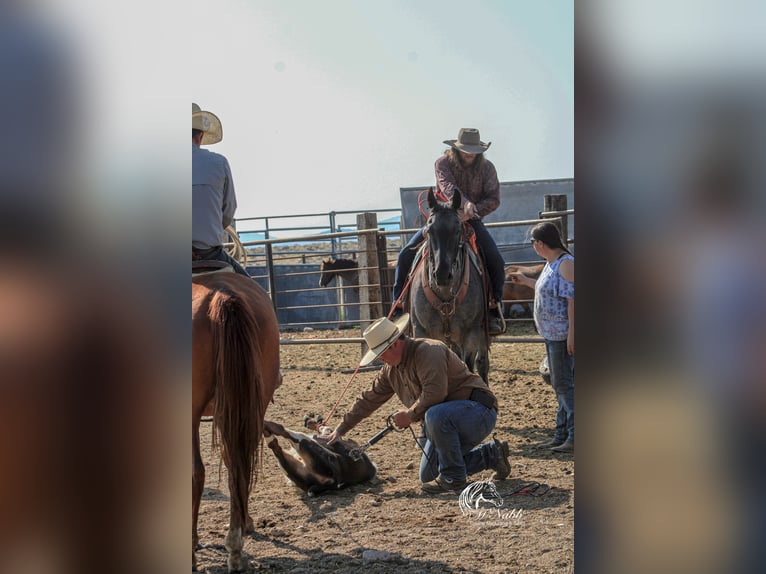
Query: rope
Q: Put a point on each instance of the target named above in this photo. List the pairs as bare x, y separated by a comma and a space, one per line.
237, 251
343, 392
335, 406
536, 489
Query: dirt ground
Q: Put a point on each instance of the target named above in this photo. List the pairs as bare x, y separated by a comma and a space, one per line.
388, 525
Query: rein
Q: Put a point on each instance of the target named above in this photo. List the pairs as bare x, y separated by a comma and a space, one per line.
447, 307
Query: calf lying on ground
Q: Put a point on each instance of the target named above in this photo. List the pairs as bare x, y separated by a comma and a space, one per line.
320, 466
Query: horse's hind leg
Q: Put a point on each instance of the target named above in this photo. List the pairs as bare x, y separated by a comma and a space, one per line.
234, 539
234, 543
198, 483
482, 365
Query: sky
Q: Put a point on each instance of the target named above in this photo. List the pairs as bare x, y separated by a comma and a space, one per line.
335, 105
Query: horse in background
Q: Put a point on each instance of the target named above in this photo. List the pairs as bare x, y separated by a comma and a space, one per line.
448, 295
235, 366
347, 270
516, 291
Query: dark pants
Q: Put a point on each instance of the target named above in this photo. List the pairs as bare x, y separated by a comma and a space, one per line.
218, 254
493, 259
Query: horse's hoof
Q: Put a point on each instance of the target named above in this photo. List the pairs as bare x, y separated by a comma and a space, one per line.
237, 564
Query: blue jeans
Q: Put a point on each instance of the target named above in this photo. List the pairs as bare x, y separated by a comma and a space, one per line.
561, 365
453, 429
492, 258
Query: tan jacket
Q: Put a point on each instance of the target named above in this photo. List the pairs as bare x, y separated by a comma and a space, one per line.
429, 374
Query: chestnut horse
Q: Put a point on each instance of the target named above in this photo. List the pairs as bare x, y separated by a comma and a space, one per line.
235, 366
518, 292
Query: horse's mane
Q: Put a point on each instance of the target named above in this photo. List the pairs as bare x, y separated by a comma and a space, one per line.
340, 263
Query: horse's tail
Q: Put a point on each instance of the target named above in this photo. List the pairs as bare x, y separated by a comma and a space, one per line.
239, 407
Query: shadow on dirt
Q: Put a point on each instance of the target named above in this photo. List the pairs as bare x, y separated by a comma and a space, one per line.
315, 560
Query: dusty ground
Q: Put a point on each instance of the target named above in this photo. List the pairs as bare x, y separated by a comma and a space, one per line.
416, 532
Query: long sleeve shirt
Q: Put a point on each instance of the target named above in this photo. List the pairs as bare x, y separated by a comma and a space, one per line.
428, 374
481, 188
213, 198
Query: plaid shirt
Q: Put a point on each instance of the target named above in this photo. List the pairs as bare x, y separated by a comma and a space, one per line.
482, 187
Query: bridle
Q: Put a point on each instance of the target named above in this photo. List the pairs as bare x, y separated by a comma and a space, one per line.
457, 290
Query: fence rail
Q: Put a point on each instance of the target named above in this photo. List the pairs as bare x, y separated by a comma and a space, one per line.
289, 269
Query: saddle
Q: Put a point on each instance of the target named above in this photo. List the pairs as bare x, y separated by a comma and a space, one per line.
212, 266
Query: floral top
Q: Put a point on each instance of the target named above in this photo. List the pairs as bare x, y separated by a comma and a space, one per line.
552, 292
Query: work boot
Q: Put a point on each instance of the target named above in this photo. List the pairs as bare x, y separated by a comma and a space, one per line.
441, 485
567, 446
550, 443
503, 466
496, 322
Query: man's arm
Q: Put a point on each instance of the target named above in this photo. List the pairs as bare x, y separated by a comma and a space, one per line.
229, 197
368, 403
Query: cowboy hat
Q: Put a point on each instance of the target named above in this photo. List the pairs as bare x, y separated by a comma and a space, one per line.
381, 335
208, 123
469, 141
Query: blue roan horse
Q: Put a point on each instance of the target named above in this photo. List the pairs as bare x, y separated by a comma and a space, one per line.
448, 298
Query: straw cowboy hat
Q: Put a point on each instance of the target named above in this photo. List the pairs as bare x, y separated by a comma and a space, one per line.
381, 335
469, 141
208, 123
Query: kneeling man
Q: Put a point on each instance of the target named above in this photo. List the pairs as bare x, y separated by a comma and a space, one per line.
457, 408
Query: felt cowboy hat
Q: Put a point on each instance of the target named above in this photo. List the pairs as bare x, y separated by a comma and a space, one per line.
469, 141
208, 123
381, 335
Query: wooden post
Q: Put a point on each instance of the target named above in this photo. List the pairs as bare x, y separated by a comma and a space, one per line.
369, 275
385, 285
558, 203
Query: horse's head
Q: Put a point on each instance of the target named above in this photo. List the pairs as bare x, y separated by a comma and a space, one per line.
445, 237
331, 267
326, 271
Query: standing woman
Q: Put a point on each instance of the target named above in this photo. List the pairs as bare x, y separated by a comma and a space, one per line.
554, 319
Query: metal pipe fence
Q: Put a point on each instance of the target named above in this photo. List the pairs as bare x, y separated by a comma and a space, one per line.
289, 269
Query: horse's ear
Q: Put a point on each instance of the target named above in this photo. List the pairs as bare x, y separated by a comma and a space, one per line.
456, 199
432, 203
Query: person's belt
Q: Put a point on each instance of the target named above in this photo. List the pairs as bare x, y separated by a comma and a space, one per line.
484, 398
